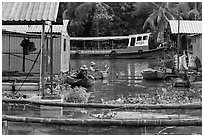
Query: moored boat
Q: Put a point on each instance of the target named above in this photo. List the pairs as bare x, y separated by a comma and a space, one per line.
130, 47
87, 82
100, 74
153, 74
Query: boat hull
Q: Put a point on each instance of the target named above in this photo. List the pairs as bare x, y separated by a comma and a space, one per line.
99, 74
85, 82
118, 54
153, 74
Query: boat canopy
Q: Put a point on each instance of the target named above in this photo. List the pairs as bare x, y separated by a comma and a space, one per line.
107, 37
100, 38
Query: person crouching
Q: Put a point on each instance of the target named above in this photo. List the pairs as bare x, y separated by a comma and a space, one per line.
82, 73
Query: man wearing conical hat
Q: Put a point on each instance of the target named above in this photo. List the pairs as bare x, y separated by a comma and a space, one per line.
83, 72
92, 67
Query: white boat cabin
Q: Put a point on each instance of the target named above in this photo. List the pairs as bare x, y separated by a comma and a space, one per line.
138, 40
119, 44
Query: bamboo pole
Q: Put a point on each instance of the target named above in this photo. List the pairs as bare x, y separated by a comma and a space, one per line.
47, 54
51, 58
108, 106
42, 63
178, 38
4, 127
9, 55
107, 122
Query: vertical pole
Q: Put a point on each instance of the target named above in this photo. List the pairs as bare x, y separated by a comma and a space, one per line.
195, 9
178, 39
9, 54
47, 54
51, 58
23, 69
5, 127
42, 63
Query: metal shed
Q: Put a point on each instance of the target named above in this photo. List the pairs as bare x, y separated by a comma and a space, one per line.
35, 13
12, 35
191, 28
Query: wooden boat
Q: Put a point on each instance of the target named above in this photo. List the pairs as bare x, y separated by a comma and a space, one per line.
152, 74
100, 74
87, 82
179, 82
131, 47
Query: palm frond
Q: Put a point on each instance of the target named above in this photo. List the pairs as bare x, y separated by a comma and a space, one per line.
151, 20
169, 16
175, 15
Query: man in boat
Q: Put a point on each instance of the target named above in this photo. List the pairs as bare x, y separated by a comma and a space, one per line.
82, 73
92, 67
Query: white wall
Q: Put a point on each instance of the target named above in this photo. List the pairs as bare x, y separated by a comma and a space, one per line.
196, 41
65, 48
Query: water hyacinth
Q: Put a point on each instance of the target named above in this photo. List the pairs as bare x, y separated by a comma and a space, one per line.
76, 95
163, 96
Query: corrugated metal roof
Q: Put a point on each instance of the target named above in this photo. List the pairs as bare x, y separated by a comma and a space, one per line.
29, 11
186, 26
31, 28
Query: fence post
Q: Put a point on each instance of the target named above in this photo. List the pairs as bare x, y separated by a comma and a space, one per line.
4, 127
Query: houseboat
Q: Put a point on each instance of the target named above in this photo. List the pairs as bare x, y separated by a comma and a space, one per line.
120, 47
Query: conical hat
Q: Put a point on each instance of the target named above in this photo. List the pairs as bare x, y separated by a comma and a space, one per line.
84, 67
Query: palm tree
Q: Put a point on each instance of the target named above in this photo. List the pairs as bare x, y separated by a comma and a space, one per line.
196, 12
159, 15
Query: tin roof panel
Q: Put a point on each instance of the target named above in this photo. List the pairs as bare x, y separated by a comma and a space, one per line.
31, 28
29, 11
186, 26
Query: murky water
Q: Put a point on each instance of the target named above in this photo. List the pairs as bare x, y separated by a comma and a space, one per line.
124, 80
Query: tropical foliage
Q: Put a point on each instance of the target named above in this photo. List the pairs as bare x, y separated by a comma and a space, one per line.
161, 13
124, 18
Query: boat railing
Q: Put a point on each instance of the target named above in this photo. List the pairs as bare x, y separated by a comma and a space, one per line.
107, 43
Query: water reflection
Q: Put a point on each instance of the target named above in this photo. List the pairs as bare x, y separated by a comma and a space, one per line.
124, 78
129, 74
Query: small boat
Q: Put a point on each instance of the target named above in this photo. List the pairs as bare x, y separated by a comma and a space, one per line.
100, 74
87, 82
153, 74
179, 82
130, 47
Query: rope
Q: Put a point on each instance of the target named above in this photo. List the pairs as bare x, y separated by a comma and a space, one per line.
102, 63
29, 72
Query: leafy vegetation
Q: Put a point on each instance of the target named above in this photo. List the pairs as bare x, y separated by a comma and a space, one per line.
124, 18
163, 96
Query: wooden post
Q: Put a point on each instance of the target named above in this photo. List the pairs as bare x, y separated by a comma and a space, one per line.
84, 45
4, 127
178, 39
47, 54
9, 55
42, 63
51, 58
